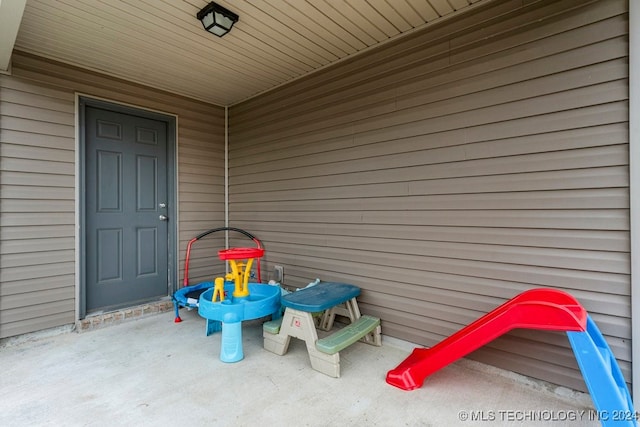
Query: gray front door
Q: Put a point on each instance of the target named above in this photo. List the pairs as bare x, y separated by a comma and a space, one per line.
126, 228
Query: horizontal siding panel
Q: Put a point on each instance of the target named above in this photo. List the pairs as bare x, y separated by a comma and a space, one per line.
197, 125
36, 140
415, 165
205, 263
13, 302
36, 179
303, 155
33, 286
36, 112
399, 183
9, 329
199, 160
569, 239
37, 153
603, 219
409, 267
581, 25
207, 246
535, 181
456, 113
20, 103
203, 205
36, 232
29, 312
210, 202
70, 79
37, 219
41, 206
545, 342
196, 153
201, 171
23, 91
439, 101
582, 117
444, 327
201, 184
612, 262
37, 271
612, 177
559, 339
529, 108
416, 123
37, 258
407, 278
212, 212
403, 59
201, 272
205, 220
543, 75
339, 138
29, 192
38, 127
36, 245
542, 11
37, 166
557, 199
195, 227
432, 73
381, 277
438, 308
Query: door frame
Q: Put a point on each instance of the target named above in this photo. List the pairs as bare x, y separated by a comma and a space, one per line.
82, 102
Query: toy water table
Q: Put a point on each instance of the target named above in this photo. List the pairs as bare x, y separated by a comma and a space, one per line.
188, 296
233, 300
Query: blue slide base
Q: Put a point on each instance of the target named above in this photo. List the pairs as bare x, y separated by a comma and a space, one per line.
603, 377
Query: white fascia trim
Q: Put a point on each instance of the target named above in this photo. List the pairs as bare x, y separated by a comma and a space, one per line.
634, 191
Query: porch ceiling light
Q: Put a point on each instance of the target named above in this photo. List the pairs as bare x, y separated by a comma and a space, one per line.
217, 19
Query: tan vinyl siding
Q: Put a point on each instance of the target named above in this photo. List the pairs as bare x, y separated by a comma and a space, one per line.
37, 183
451, 170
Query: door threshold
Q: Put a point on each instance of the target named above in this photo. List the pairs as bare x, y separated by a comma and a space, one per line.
102, 319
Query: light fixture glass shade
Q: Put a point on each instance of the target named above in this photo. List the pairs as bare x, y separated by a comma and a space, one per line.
217, 19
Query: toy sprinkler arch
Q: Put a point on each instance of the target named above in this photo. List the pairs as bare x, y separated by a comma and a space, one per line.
188, 295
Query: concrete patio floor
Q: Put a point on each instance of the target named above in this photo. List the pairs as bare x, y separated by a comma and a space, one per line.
150, 371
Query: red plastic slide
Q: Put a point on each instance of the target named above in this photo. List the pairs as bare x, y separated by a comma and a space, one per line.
547, 309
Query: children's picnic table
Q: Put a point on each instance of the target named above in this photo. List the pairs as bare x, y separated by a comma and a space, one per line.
323, 301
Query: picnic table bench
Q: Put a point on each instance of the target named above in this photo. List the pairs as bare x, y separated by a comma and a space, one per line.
316, 307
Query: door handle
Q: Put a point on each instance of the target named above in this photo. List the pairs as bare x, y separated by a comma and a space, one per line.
163, 218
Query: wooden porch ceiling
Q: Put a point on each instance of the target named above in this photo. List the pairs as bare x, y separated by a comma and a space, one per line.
160, 43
